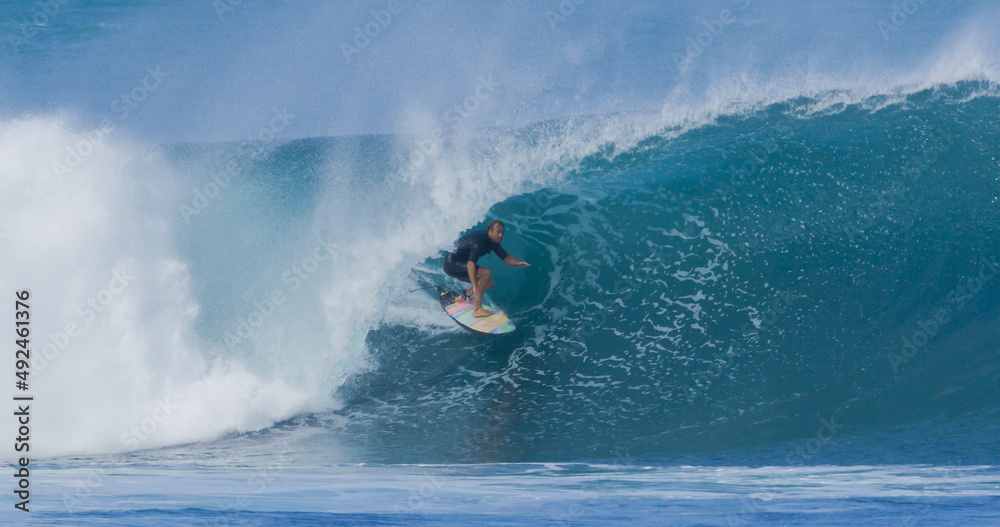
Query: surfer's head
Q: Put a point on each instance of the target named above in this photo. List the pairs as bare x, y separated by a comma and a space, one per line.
496, 231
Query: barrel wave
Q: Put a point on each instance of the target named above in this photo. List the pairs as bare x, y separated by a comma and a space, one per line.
813, 267
734, 281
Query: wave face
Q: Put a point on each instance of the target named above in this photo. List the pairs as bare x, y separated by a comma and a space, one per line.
813, 267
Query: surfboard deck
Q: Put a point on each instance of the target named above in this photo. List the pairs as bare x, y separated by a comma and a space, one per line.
461, 311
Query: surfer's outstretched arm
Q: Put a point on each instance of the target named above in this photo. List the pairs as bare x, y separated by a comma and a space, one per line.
510, 260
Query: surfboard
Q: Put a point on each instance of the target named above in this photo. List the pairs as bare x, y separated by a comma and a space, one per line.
461, 311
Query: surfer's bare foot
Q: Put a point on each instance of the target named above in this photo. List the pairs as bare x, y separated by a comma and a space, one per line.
481, 313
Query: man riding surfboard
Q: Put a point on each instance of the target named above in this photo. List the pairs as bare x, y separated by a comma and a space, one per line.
461, 263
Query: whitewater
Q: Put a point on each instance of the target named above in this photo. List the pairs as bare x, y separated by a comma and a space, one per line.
765, 281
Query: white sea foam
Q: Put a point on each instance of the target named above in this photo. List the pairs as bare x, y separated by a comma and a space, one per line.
116, 363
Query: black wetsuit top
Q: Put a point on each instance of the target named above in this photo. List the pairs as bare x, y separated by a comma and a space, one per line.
470, 248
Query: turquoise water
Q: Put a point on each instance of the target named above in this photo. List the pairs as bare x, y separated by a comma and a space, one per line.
763, 291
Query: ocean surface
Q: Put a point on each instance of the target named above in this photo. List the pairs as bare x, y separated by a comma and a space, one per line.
764, 284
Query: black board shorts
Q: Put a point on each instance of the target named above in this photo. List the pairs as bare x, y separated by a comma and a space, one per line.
455, 269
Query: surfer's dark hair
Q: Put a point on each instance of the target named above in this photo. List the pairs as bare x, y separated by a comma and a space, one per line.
494, 223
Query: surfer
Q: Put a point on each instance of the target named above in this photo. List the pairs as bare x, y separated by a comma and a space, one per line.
461, 263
